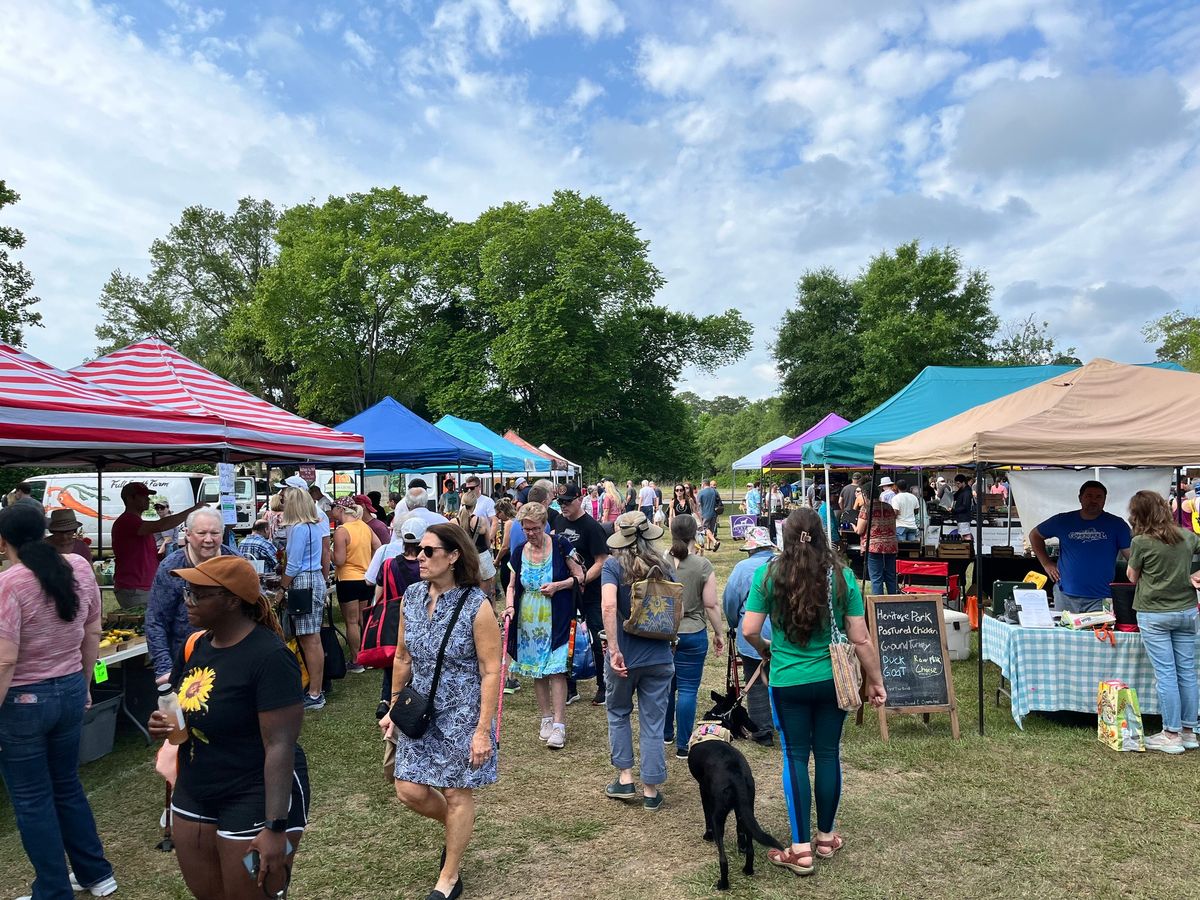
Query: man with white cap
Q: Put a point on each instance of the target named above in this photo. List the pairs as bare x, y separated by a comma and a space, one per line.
760, 550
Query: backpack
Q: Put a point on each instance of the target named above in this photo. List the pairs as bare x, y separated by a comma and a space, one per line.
719, 509
382, 628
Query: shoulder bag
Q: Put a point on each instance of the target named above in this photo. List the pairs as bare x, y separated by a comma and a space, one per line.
847, 673
655, 607
412, 712
300, 600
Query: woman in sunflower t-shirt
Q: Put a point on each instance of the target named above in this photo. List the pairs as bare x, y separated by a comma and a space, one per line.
241, 797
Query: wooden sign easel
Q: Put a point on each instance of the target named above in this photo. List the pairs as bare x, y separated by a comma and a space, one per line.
913, 656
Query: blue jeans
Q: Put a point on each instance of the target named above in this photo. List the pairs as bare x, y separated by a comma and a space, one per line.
906, 534
690, 654
882, 569
1170, 641
652, 684
1064, 602
810, 721
648, 512
39, 758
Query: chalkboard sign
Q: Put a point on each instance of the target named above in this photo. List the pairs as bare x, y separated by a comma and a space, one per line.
909, 634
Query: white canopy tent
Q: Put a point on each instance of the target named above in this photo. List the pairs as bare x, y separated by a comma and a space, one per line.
754, 459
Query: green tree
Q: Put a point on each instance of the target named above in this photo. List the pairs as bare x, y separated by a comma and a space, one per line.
16, 283
818, 349
919, 309
726, 436
341, 302
1178, 339
203, 277
562, 335
1026, 342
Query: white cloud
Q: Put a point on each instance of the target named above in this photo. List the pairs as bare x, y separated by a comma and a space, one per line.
969, 20
193, 17
585, 92
596, 17
537, 15
905, 73
1047, 124
363, 50
328, 19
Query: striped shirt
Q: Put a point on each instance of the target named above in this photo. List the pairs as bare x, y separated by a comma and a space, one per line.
47, 647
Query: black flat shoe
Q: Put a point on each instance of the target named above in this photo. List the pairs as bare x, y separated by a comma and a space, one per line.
442, 859
455, 892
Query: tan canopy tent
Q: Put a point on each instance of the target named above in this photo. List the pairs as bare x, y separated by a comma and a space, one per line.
1103, 413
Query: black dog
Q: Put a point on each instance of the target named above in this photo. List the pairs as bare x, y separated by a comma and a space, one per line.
727, 785
730, 711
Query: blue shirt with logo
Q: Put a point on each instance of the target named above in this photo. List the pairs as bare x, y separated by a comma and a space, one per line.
1087, 550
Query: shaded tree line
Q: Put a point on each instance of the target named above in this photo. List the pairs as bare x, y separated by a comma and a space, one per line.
540, 318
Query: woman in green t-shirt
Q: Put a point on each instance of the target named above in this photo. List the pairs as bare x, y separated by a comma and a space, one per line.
1160, 565
794, 590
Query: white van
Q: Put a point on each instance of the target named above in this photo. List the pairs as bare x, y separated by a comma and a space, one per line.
80, 492
243, 499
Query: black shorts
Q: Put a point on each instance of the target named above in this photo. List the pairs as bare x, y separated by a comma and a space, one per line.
352, 591
241, 816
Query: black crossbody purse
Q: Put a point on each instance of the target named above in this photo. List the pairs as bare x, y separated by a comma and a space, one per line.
299, 600
412, 712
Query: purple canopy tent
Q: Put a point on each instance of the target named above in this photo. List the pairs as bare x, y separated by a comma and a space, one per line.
789, 455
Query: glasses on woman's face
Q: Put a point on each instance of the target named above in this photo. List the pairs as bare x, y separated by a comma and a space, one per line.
679, 490
428, 551
192, 597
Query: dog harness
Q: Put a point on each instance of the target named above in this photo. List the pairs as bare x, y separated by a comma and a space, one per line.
709, 731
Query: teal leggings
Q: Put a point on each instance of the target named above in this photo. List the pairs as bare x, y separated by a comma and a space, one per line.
809, 721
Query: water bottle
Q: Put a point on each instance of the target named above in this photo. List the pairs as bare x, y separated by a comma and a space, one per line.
168, 703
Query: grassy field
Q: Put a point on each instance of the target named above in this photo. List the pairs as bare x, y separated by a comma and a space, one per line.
1046, 812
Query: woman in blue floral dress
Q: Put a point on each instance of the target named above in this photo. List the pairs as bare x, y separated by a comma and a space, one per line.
436, 773
541, 602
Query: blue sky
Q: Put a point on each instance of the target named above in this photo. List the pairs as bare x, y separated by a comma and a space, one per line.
1054, 142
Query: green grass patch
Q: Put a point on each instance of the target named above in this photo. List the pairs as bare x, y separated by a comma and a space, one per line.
1044, 812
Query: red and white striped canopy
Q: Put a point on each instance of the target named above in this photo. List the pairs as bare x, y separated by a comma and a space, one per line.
51, 416
154, 372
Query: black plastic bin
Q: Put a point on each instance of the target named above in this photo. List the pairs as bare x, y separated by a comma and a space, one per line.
99, 725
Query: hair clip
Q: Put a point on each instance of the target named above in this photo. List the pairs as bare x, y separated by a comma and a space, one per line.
804, 537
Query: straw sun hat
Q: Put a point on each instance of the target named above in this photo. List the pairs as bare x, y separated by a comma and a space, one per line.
631, 524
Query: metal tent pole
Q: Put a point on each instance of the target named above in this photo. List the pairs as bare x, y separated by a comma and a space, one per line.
99, 509
828, 502
979, 467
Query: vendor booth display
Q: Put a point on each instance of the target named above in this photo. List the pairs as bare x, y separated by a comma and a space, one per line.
1103, 413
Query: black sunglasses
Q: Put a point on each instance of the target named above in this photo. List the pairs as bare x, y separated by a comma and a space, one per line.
429, 551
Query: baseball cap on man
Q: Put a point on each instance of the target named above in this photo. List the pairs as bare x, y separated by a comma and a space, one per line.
412, 530
521, 481
233, 573
569, 493
365, 502
293, 481
134, 489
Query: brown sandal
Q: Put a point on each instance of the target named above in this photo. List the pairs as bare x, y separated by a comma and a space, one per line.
826, 849
786, 859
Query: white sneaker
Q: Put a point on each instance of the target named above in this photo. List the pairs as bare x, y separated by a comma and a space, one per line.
558, 737
547, 727
99, 889
1165, 742
1189, 740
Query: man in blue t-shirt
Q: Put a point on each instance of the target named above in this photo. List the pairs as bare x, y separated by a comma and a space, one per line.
708, 498
1089, 540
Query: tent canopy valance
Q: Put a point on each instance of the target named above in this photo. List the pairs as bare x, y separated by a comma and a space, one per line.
567, 465
53, 417
154, 372
935, 395
513, 438
1104, 413
396, 438
754, 459
506, 456
790, 455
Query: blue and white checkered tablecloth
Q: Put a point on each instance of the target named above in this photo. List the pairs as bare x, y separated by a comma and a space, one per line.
1057, 668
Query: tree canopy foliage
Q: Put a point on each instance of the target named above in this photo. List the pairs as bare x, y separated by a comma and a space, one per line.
541, 318
1026, 342
1178, 337
16, 282
849, 344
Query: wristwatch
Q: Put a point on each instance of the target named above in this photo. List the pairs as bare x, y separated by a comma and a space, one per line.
277, 825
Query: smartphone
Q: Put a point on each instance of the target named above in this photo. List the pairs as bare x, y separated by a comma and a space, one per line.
250, 860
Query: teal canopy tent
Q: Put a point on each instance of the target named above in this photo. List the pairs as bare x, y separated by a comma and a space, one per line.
506, 456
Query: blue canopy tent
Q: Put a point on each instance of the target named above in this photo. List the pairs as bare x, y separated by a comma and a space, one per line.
506, 456
397, 439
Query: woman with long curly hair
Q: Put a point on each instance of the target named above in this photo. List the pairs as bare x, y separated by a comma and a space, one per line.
1160, 566
800, 589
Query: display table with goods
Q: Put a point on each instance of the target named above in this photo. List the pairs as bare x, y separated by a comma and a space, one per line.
121, 683
1053, 669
